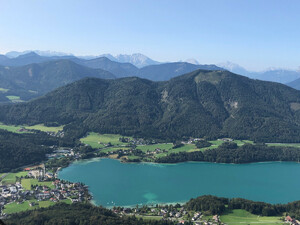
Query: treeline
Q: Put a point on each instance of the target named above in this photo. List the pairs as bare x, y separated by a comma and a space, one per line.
231, 153
207, 203
217, 205
17, 150
77, 214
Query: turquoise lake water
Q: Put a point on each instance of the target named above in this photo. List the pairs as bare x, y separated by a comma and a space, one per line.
127, 184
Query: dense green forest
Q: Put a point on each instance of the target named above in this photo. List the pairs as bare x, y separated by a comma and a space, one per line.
82, 213
231, 153
217, 205
17, 150
206, 104
77, 214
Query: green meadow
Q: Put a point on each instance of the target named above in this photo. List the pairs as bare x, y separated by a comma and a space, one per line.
152, 148
3, 90
240, 216
44, 128
12, 177
41, 127
26, 183
15, 207
96, 140
10, 128
295, 145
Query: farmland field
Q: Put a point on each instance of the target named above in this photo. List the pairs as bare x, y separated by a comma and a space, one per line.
44, 128
152, 148
15, 207
10, 128
11, 177
295, 145
240, 216
26, 183
96, 140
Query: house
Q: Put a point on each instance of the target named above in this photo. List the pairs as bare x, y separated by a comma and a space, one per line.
288, 219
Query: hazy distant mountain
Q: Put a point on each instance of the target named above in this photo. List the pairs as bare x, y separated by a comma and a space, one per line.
276, 75
295, 84
137, 59
199, 104
192, 61
157, 72
14, 54
166, 71
118, 69
29, 58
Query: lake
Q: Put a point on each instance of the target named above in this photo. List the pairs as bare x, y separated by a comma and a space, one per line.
127, 184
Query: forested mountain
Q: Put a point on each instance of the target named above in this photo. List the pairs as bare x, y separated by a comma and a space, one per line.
37, 79
199, 104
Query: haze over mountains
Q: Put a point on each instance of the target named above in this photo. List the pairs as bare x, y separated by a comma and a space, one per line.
283, 76
31, 75
26, 75
198, 104
139, 60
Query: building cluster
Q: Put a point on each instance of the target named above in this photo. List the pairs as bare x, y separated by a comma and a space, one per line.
290, 220
61, 153
59, 190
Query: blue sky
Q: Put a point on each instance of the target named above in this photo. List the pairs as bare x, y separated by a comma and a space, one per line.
256, 34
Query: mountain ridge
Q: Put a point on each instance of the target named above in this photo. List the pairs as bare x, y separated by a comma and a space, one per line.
202, 103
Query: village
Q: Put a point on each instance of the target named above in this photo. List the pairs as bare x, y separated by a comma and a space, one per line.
38, 188
176, 213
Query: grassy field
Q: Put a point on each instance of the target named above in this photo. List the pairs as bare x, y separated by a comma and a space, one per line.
240, 216
94, 139
185, 148
295, 145
13, 97
15, 207
26, 183
10, 128
42, 127
11, 177
152, 148
3, 90
149, 217
113, 149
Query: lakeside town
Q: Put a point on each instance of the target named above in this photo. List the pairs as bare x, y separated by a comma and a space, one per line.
39, 186
34, 187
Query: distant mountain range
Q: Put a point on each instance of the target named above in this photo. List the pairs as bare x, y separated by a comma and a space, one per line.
31, 75
137, 59
54, 69
283, 76
202, 103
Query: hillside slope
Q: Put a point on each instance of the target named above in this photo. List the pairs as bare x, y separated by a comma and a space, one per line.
199, 104
37, 79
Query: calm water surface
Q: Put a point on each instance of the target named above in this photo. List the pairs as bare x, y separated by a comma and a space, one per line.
126, 184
